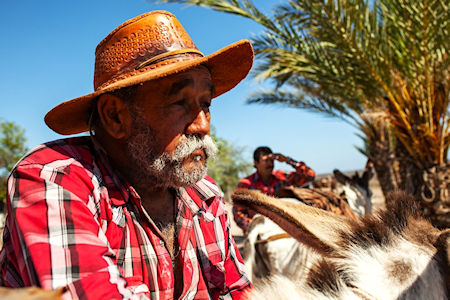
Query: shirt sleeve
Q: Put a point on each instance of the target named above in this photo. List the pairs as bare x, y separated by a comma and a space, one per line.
57, 237
302, 174
244, 183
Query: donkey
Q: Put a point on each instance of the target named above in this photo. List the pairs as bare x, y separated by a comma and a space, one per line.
394, 255
269, 250
355, 189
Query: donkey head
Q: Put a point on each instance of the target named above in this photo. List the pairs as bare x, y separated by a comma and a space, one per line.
394, 255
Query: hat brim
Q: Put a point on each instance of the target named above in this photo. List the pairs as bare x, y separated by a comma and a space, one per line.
228, 66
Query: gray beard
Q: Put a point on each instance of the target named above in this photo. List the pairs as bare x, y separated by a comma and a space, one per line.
165, 170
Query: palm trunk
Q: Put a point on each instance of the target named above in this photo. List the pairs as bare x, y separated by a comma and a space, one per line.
381, 153
385, 170
434, 194
431, 187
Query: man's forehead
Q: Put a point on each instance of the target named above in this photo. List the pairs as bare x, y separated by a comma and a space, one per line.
265, 155
173, 84
187, 80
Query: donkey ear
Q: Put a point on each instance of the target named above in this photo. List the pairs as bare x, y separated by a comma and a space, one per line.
311, 226
341, 177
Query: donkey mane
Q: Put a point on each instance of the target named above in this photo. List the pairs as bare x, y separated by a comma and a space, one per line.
381, 229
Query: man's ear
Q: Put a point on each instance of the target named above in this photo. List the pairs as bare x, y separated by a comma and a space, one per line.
114, 116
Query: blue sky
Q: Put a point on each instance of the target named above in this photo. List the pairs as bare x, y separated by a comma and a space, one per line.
47, 57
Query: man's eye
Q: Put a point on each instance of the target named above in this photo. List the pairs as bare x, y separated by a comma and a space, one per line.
179, 102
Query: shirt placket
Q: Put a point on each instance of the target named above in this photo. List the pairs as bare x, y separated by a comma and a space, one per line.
164, 277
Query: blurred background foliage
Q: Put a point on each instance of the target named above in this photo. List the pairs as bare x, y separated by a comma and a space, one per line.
229, 165
12, 148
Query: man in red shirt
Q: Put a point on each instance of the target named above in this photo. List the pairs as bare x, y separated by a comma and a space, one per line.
269, 181
128, 212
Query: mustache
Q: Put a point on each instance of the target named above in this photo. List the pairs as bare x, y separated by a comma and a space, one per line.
191, 143
184, 149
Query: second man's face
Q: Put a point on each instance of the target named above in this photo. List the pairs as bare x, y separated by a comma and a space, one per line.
265, 164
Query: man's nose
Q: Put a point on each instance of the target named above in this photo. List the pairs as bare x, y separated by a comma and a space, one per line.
200, 125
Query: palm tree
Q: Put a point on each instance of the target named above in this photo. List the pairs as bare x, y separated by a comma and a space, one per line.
380, 65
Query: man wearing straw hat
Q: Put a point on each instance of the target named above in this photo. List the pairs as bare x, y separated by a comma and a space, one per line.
128, 211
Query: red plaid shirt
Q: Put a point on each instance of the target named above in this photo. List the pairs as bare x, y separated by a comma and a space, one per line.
73, 222
302, 175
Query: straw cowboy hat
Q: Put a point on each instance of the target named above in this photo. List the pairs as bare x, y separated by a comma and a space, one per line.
149, 47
